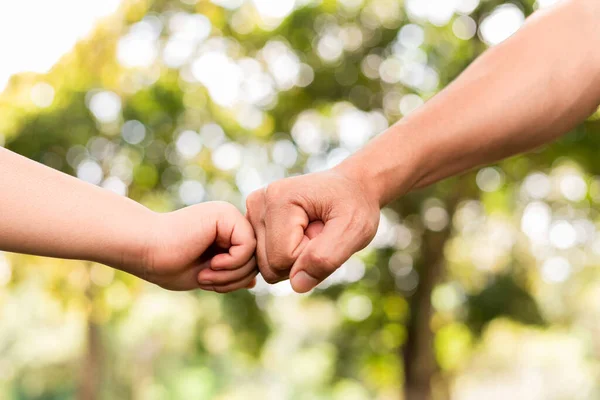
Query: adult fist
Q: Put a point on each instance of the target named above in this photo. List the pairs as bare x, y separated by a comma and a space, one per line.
308, 226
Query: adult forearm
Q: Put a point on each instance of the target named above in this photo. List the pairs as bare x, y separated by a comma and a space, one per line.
47, 213
525, 92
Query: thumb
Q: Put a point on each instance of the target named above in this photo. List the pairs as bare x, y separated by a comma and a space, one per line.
314, 229
324, 254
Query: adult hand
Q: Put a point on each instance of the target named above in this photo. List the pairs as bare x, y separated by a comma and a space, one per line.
308, 226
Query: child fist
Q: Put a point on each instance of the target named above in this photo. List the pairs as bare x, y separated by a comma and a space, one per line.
208, 246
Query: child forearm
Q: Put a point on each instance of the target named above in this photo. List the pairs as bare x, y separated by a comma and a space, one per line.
48, 213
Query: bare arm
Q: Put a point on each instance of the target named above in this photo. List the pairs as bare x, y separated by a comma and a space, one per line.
520, 94
44, 212
47, 213
527, 91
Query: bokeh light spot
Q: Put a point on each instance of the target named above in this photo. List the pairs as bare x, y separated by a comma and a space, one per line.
106, 106
502, 23
191, 192
90, 171
133, 132
42, 95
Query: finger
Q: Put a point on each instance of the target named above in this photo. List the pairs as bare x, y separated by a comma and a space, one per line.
273, 276
230, 287
237, 236
188, 280
255, 205
285, 234
208, 276
269, 274
338, 240
255, 210
314, 228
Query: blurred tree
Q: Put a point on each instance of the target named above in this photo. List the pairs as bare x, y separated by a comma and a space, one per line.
175, 102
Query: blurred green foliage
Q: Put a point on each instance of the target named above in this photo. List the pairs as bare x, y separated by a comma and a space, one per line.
468, 286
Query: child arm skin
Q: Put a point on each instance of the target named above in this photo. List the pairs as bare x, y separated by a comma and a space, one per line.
47, 213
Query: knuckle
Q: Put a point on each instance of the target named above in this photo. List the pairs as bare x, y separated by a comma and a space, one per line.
274, 192
322, 262
263, 265
252, 242
251, 201
280, 260
223, 204
253, 204
224, 207
271, 277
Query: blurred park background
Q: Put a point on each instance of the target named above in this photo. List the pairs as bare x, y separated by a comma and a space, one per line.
483, 286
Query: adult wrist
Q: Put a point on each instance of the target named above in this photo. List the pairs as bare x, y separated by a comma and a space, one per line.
355, 170
389, 166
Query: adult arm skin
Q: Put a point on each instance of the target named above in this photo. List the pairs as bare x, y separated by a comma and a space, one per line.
527, 91
48, 213
522, 93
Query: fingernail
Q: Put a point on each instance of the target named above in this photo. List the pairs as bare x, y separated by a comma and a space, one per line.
303, 282
205, 283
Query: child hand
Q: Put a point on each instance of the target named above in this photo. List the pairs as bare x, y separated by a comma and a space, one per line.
208, 246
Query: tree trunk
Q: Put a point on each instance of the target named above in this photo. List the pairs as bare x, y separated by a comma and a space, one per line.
420, 366
419, 359
91, 370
